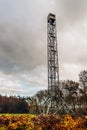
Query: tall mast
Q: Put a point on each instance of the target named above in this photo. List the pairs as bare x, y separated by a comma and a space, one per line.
55, 102
53, 67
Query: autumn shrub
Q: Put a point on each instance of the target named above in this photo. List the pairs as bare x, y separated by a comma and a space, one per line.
42, 122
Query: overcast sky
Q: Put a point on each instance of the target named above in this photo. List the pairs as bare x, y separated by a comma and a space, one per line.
23, 43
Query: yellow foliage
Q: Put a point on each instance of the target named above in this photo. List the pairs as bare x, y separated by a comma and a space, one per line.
52, 122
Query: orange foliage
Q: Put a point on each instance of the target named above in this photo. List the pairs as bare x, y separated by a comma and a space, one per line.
42, 122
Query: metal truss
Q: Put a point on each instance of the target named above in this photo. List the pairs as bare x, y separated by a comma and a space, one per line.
55, 102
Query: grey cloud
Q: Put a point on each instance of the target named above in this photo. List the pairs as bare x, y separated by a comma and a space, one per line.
21, 47
71, 10
23, 34
22, 44
72, 46
72, 30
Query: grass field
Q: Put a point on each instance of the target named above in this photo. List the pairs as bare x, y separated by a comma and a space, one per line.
41, 122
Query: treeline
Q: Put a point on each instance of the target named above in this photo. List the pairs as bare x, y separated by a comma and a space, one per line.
13, 104
73, 93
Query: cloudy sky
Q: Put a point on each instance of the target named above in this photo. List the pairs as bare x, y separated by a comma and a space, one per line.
23, 43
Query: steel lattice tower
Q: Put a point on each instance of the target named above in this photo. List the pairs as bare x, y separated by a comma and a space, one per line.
53, 67
55, 102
